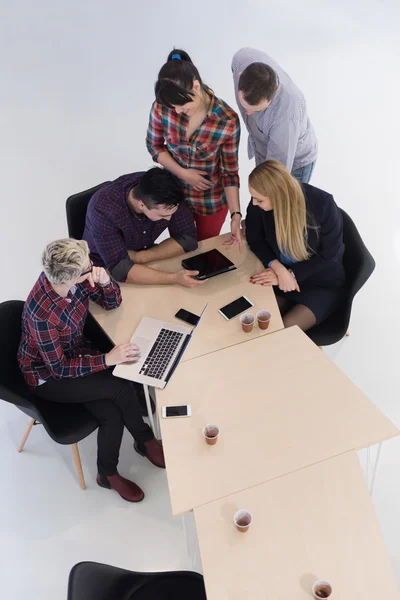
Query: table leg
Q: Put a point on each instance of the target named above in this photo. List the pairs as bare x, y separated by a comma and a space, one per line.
191, 546
152, 392
371, 489
149, 411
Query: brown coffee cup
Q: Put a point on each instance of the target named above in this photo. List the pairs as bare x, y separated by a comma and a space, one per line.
211, 433
322, 589
263, 319
247, 322
243, 519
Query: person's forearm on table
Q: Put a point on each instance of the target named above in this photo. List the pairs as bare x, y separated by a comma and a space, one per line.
144, 275
166, 249
165, 160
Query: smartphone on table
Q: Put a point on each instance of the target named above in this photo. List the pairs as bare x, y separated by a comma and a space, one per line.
188, 317
235, 308
168, 412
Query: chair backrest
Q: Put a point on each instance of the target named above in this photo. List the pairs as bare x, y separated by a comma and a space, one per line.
96, 581
359, 266
76, 207
12, 385
357, 260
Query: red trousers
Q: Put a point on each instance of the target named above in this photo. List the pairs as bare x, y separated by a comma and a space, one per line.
209, 226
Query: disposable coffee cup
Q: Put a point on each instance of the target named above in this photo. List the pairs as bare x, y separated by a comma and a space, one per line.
247, 321
243, 519
211, 433
322, 589
263, 319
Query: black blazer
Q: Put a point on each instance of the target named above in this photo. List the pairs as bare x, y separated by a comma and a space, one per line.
325, 239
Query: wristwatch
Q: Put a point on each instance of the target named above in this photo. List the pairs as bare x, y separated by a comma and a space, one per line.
236, 212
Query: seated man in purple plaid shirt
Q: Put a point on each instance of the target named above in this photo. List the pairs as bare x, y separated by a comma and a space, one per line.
125, 218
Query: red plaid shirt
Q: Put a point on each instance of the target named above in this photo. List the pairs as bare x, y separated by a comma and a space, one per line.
52, 342
213, 148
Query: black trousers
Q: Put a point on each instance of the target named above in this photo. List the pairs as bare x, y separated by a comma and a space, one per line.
112, 401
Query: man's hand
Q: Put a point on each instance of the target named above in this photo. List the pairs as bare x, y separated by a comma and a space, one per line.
186, 278
266, 277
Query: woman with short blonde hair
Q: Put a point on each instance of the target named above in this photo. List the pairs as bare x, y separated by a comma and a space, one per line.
296, 231
60, 364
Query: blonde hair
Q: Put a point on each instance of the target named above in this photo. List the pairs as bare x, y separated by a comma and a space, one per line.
271, 179
64, 260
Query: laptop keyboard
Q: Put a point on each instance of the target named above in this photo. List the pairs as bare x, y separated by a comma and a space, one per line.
161, 353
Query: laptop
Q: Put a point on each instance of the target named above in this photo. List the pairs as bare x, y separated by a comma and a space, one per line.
162, 346
209, 264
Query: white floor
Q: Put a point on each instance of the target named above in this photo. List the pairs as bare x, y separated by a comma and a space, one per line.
345, 56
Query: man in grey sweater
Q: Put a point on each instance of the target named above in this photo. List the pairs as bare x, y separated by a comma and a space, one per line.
275, 113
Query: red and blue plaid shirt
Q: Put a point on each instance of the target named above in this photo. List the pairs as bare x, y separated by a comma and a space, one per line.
52, 341
213, 148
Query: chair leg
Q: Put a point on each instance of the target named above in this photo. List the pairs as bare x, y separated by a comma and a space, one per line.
26, 435
78, 464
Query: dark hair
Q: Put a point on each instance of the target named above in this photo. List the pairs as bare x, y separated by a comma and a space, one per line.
258, 82
175, 80
159, 187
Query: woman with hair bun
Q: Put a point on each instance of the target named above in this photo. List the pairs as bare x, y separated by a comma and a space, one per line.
195, 135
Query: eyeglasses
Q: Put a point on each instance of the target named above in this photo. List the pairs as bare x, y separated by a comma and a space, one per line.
88, 271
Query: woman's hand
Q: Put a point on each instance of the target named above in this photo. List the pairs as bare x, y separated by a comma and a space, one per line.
196, 179
286, 281
236, 234
122, 354
266, 277
98, 275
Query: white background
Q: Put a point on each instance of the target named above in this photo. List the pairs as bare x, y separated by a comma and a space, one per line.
76, 88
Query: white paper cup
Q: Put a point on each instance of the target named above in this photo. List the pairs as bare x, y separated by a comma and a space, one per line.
247, 321
243, 519
322, 589
211, 433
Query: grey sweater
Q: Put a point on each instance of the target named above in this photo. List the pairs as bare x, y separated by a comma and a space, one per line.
283, 130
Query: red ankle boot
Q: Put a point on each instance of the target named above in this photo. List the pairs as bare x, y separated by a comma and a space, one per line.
126, 489
152, 450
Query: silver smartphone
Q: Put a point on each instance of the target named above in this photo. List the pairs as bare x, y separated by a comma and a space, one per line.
169, 412
235, 308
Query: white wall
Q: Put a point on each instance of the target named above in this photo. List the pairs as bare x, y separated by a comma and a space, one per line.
77, 83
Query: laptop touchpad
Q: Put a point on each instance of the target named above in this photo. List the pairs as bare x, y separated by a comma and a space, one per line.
143, 345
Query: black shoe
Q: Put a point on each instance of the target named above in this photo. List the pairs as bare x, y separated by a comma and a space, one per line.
142, 399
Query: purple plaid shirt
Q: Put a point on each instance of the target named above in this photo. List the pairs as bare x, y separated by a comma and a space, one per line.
112, 229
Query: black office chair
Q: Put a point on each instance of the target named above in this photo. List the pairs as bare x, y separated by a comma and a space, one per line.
76, 207
359, 266
66, 424
96, 581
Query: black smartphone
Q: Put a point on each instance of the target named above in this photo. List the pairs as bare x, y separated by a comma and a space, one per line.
188, 317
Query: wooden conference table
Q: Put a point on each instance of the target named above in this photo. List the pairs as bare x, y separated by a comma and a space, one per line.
316, 523
163, 302
281, 405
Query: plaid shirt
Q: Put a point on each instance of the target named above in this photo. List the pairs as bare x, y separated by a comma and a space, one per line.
112, 228
213, 148
52, 342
